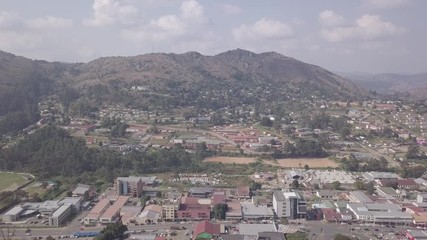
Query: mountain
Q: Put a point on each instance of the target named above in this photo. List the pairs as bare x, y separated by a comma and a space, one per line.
415, 84
172, 74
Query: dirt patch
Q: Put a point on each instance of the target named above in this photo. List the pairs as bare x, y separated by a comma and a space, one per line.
236, 160
285, 163
300, 162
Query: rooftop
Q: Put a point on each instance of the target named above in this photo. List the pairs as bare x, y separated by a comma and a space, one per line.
254, 229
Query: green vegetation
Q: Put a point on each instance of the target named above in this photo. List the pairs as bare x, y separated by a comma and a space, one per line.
11, 179
219, 211
113, 231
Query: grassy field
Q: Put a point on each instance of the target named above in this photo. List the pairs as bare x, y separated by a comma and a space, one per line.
11, 181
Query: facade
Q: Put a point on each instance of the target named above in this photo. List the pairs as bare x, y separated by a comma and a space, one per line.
93, 216
60, 216
289, 205
192, 209
422, 198
382, 213
129, 186
169, 211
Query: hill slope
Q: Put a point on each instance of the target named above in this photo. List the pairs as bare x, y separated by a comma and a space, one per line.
231, 67
415, 84
190, 76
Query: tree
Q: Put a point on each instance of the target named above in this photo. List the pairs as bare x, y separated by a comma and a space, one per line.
306, 167
413, 151
345, 132
219, 211
295, 184
112, 231
341, 237
359, 185
336, 185
370, 188
266, 122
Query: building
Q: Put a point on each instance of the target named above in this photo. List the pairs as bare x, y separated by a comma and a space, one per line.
422, 198
74, 202
234, 211
255, 229
200, 192
253, 212
194, 209
360, 197
13, 214
129, 186
151, 214
169, 211
372, 176
93, 216
207, 230
61, 215
129, 214
112, 214
82, 189
243, 192
416, 234
379, 213
289, 205
387, 192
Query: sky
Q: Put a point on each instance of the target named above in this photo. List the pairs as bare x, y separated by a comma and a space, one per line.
372, 36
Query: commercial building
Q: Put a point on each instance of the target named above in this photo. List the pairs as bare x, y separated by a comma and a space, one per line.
253, 212
57, 212
193, 209
169, 211
93, 216
129, 186
380, 213
200, 192
289, 205
255, 229
61, 215
112, 214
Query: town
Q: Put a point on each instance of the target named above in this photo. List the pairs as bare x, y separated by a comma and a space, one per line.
361, 175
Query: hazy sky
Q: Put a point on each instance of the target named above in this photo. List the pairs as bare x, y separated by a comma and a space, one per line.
340, 35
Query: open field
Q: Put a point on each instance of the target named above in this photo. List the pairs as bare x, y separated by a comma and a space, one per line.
300, 162
285, 163
236, 160
11, 181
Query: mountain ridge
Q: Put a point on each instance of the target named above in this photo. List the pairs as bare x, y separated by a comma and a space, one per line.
156, 69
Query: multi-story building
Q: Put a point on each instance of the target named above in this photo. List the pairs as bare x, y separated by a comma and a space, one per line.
129, 186
289, 205
169, 211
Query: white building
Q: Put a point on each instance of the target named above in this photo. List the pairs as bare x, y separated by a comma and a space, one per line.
379, 213
289, 205
61, 215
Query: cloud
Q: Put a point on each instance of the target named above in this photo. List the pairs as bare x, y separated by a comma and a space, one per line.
263, 29
9, 20
49, 22
386, 4
329, 18
108, 12
229, 9
189, 23
367, 27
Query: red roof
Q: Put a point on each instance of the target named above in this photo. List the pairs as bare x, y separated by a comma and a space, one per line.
406, 182
159, 238
207, 227
218, 197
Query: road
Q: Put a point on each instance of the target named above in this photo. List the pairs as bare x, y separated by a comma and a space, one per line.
54, 232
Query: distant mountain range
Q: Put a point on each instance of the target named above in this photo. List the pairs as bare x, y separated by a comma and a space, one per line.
167, 71
415, 84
